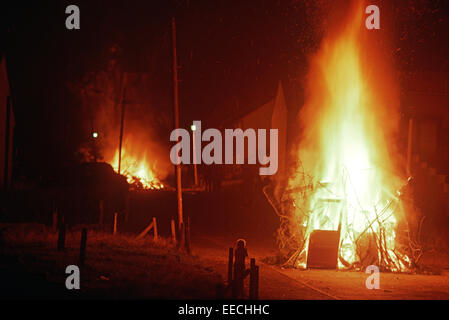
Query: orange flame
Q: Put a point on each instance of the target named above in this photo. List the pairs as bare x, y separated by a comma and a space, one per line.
345, 150
136, 169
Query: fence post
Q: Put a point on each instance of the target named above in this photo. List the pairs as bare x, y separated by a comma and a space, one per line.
256, 284
240, 255
173, 231
252, 279
115, 224
155, 238
230, 263
182, 235
187, 236
145, 231
83, 243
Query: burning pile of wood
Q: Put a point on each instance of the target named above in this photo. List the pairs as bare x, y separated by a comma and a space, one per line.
348, 178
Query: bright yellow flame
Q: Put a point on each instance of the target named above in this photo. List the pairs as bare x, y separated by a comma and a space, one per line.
136, 169
345, 151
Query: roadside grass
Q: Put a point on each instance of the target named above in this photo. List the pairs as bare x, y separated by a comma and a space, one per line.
116, 267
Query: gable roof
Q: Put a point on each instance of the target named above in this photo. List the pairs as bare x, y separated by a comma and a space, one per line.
237, 111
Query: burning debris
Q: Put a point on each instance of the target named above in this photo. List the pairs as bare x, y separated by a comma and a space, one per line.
137, 170
346, 178
119, 108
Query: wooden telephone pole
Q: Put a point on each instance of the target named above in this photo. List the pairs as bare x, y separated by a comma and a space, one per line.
176, 122
122, 119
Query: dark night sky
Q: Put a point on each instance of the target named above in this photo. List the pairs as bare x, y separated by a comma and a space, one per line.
228, 50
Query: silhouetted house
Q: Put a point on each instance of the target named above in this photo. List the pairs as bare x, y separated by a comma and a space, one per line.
425, 99
6, 128
270, 115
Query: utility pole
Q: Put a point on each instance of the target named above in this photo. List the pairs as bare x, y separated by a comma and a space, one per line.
410, 143
409, 146
176, 122
195, 171
122, 120
6, 176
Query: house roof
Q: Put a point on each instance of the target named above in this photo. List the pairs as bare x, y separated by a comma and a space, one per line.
236, 110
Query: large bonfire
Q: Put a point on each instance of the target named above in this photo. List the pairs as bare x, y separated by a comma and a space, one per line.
346, 177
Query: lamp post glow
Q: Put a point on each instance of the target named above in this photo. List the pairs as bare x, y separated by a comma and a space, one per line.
95, 135
193, 128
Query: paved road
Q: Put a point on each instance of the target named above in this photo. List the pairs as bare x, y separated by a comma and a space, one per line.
219, 220
278, 283
273, 284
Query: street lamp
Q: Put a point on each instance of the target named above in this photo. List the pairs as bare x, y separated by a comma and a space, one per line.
95, 135
193, 128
